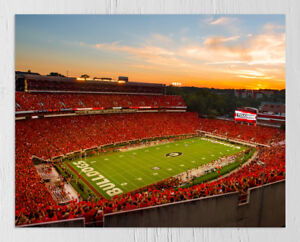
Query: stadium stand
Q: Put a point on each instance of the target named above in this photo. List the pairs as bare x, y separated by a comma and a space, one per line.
245, 132
49, 137
57, 136
40, 83
40, 101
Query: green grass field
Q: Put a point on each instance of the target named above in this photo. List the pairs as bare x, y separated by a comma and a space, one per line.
131, 170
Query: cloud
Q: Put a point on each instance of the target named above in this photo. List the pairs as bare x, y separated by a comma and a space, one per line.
273, 27
215, 40
251, 72
155, 55
265, 48
260, 57
139, 51
222, 20
230, 24
255, 77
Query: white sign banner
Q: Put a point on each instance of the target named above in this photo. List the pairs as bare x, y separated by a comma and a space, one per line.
243, 115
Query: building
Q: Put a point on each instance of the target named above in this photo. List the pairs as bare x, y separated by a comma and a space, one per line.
256, 94
29, 82
272, 108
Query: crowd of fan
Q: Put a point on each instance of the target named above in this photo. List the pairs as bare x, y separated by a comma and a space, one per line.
42, 101
59, 192
254, 174
54, 136
45, 171
258, 134
51, 137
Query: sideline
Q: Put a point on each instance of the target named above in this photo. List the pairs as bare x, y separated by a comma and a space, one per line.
238, 168
98, 194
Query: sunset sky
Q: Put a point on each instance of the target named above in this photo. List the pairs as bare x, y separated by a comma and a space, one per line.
220, 51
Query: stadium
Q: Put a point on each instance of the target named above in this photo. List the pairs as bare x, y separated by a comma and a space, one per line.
104, 153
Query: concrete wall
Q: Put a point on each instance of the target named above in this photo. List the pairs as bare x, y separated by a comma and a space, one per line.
76, 222
265, 208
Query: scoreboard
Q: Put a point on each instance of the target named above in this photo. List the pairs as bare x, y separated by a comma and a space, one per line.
245, 116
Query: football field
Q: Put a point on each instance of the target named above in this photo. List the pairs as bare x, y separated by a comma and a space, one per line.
125, 171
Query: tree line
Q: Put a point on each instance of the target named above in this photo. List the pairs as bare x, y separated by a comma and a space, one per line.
219, 102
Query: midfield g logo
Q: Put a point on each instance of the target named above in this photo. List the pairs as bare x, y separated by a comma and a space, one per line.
173, 154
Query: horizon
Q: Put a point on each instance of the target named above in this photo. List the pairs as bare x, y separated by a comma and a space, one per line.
168, 85
204, 51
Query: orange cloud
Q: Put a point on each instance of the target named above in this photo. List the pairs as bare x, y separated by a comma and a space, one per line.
222, 20
260, 58
267, 48
218, 61
216, 40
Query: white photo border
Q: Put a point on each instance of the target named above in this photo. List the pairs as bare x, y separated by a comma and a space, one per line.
8, 9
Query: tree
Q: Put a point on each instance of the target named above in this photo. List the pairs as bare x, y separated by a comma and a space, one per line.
55, 74
213, 113
85, 76
218, 102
